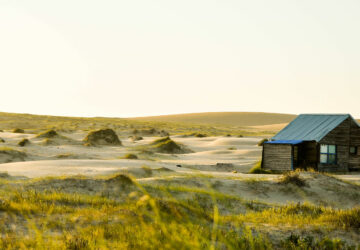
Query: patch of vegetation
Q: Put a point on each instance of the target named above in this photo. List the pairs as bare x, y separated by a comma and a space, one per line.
9, 155
48, 134
257, 169
103, 137
130, 156
349, 219
2, 140
66, 156
295, 241
261, 143
36, 123
18, 130
168, 146
23, 142
117, 212
292, 178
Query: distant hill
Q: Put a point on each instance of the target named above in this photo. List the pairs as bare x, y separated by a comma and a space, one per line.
224, 118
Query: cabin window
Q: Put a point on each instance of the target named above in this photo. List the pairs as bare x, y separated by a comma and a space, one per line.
328, 154
353, 150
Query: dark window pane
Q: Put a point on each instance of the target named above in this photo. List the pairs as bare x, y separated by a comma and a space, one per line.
332, 159
332, 149
352, 150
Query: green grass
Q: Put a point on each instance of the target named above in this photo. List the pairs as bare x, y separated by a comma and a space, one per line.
117, 212
168, 146
130, 156
256, 169
47, 134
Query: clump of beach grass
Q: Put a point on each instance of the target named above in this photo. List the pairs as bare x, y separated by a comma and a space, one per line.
261, 142
23, 142
102, 137
18, 130
168, 146
257, 169
292, 177
130, 156
48, 134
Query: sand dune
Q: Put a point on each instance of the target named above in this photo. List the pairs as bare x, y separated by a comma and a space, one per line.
225, 118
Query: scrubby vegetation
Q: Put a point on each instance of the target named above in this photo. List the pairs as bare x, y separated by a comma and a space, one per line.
48, 134
37, 123
261, 143
23, 142
118, 212
18, 130
293, 178
168, 146
256, 169
10, 155
130, 156
103, 137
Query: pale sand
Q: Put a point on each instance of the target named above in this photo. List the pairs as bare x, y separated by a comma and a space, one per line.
42, 160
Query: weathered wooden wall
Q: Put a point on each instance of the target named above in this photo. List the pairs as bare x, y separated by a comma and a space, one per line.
354, 160
340, 136
277, 157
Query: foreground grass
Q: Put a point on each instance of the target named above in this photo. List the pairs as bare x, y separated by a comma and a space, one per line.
118, 213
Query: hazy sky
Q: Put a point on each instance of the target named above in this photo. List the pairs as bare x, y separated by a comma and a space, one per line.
147, 57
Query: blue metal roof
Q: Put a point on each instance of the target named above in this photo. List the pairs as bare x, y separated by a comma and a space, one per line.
292, 142
311, 127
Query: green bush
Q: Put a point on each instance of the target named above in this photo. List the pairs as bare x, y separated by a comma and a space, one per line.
256, 169
23, 142
130, 156
293, 178
18, 130
47, 134
261, 143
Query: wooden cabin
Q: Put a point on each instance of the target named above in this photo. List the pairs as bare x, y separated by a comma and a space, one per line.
324, 142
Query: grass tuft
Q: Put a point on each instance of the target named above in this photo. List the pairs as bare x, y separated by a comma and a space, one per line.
292, 178
130, 157
256, 169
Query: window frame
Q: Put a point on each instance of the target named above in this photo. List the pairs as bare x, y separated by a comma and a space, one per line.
328, 154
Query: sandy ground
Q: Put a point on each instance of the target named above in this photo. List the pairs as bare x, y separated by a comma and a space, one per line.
70, 157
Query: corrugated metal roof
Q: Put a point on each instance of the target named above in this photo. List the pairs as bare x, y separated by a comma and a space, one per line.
311, 127
292, 142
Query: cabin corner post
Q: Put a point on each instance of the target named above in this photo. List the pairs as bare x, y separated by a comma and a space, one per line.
292, 157
262, 157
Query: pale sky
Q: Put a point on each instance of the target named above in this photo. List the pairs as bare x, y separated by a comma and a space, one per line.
149, 57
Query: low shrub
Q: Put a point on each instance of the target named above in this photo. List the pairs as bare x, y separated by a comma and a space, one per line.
48, 134
345, 218
130, 157
18, 130
23, 142
261, 143
293, 178
256, 169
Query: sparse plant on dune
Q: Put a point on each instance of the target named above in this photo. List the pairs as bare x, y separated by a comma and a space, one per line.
130, 156
23, 142
18, 130
256, 169
292, 178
